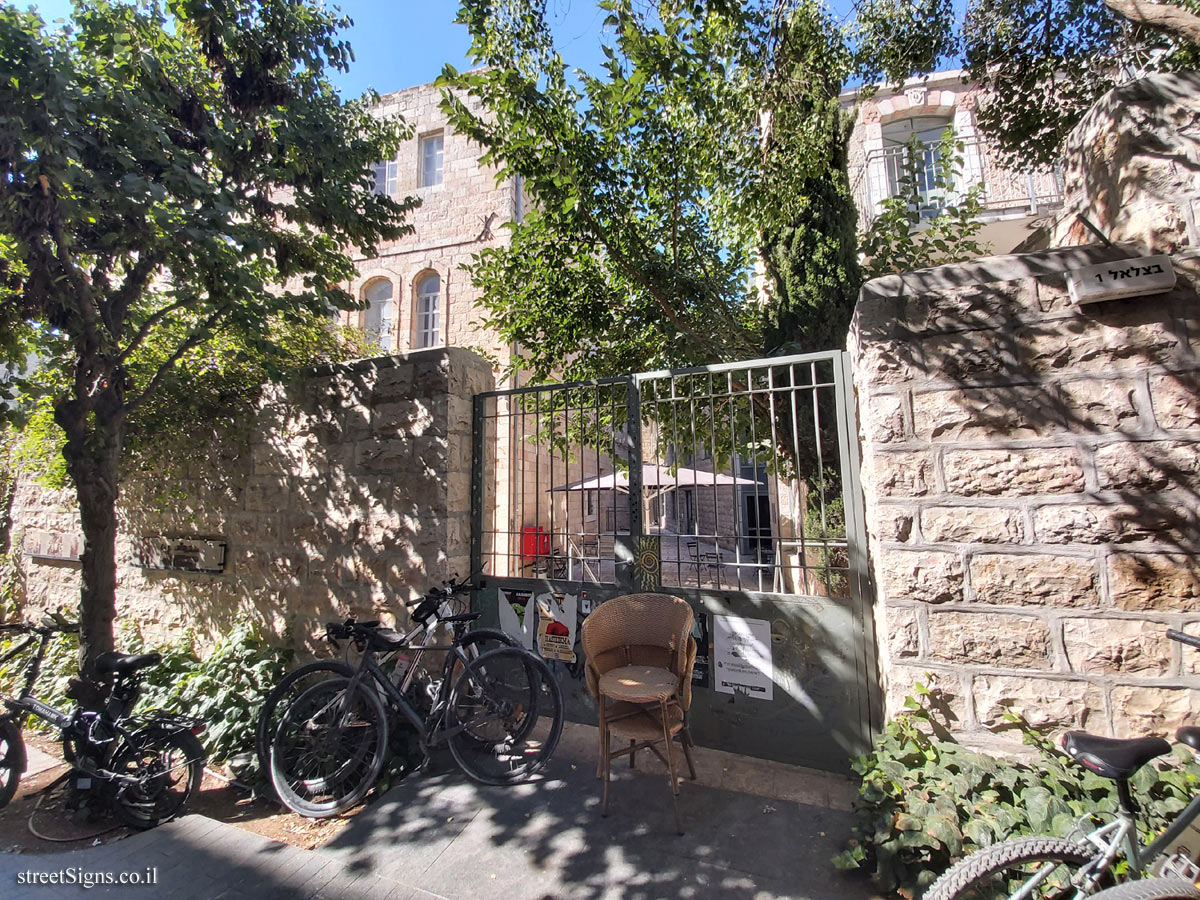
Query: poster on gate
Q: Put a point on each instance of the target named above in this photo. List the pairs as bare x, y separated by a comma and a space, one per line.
517, 615
742, 657
558, 617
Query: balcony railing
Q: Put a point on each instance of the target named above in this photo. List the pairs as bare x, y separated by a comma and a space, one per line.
1004, 191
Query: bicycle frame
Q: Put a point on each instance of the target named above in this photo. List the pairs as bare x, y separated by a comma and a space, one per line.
395, 694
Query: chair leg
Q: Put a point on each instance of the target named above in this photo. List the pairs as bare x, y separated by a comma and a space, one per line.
632, 753
603, 730
686, 741
607, 773
662, 705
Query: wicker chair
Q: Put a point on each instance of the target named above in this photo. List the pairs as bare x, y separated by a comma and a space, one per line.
642, 630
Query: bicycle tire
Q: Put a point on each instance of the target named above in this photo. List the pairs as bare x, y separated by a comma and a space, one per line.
985, 874
493, 710
1151, 889
170, 766
325, 758
12, 760
289, 688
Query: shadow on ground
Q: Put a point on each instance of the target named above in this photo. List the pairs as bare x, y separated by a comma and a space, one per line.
455, 838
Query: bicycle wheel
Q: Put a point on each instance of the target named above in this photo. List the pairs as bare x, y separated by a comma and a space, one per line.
284, 694
1042, 866
12, 759
1151, 889
329, 748
504, 716
168, 765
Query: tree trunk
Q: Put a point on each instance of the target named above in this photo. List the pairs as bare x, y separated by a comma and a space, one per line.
92, 453
1168, 17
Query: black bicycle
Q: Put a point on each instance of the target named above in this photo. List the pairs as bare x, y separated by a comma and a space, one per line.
146, 766
437, 607
500, 713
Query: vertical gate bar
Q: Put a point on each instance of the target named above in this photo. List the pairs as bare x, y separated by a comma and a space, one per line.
553, 416
599, 507
712, 457
816, 392
777, 532
734, 465
861, 587
634, 419
802, 491
519, 520
477, 476
537, 481
754, 463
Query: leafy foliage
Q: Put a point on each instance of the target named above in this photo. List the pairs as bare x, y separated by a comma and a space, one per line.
926, 800
1042, 64
225, 687
929, 220
173, 171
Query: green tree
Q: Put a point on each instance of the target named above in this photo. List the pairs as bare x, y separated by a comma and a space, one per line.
171, 173
930, 220
1042, 64
711, 137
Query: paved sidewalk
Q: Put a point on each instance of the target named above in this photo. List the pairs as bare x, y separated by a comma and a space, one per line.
197, 858
442, 837
457, 839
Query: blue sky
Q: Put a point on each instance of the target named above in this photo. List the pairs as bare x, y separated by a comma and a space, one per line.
401, 43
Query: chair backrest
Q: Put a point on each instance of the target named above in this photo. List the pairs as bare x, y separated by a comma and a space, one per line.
638, 630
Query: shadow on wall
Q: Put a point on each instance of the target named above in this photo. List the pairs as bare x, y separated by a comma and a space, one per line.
348, 497
1091, 410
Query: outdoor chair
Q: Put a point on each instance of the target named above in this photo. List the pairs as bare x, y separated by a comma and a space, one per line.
640, 653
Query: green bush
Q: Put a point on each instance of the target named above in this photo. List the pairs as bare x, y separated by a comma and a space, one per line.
925, 800
225, 688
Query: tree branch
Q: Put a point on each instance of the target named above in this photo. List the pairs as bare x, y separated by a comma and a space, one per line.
133, 285
1172, 19
147, 326
83, 291
202, 331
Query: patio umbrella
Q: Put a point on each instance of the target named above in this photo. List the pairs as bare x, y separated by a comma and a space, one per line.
655, 476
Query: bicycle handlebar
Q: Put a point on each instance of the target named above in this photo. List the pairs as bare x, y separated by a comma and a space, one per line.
1183, 638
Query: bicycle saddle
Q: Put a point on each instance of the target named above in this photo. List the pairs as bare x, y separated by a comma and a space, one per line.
124, 663
1190, 735
386, 639
1113, 757
463, 617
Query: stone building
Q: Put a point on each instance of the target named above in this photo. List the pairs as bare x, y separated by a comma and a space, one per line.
1016, 202
417, 294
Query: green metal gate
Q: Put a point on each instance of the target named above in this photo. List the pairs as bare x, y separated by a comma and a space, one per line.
734, 486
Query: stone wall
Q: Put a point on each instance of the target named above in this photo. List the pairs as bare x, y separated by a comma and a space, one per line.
1031, 475
1133, 167
351, 494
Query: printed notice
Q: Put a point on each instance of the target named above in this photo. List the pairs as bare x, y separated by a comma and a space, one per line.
742, 657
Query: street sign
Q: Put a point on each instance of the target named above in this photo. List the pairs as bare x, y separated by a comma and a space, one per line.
1121, 278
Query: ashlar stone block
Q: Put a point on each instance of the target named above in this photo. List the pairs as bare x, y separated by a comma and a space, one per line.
972, 524
1034, 580
989, 639
1057, 704
928, 576
1012, 473
1114, 646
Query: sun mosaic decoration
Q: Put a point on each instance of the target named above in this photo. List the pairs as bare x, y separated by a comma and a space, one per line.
647, 563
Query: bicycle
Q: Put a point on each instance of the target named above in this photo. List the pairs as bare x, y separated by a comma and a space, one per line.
1026, 867
331, 742
434, 609
148, 765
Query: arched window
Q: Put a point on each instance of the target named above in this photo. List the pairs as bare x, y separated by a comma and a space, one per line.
379, 316
429, 292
